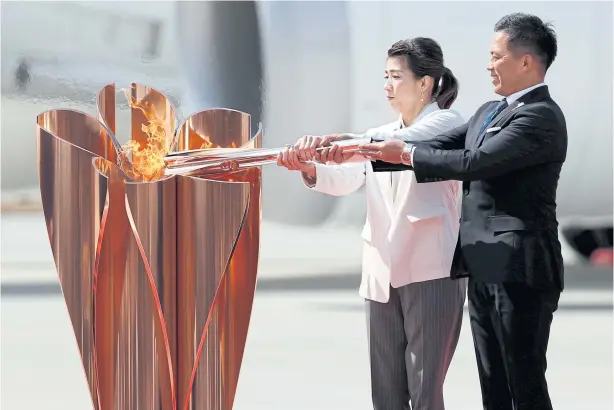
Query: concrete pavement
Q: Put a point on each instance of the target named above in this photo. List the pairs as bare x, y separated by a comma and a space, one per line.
304, 351
306, 347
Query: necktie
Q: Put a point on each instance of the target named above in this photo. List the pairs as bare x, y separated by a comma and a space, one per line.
500, 107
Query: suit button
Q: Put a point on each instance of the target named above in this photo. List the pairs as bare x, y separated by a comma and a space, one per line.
465, 192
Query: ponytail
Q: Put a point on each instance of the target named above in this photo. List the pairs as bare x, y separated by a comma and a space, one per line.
447, 89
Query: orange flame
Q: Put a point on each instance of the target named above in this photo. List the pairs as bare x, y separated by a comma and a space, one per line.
147, 162
206, 141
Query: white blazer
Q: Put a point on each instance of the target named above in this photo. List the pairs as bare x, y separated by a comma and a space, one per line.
413, 238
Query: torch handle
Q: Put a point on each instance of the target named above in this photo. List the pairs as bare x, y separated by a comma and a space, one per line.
231, 159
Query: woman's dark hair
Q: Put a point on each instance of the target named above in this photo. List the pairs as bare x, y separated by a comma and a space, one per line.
424, 57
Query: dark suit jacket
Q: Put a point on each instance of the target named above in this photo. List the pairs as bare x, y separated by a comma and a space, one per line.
508, 228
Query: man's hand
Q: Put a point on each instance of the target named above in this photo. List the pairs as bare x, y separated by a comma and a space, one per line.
388, 151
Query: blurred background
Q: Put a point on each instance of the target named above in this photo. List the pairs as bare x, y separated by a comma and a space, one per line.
300, 68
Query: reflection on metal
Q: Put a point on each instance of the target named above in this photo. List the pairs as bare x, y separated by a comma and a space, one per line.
209, 161
158, 276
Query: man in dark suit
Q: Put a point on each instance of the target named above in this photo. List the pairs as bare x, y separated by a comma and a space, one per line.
509, 156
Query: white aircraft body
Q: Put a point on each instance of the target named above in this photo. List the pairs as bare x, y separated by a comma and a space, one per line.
302, 68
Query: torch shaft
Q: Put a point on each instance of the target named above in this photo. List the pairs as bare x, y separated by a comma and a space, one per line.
229, 159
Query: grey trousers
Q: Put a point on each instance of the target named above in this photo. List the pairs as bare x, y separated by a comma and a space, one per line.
412, 339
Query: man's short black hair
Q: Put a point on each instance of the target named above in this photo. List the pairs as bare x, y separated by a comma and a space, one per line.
528, 33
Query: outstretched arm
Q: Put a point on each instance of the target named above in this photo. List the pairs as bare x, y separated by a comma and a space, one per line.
430, 132
441, 130
531, 138
331, 179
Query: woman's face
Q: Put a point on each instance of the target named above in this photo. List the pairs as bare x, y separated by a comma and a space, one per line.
402, 89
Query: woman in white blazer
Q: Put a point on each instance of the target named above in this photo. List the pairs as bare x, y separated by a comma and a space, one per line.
414, 309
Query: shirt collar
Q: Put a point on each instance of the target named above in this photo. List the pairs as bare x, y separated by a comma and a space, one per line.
427, 110
512, 98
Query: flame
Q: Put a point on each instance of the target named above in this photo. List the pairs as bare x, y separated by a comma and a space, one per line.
206, 141
147, 162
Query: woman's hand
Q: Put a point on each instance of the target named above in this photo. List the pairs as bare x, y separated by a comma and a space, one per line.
295, 158
290, 159
306, 147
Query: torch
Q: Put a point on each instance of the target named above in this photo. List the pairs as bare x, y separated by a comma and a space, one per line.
158, 271
211, 161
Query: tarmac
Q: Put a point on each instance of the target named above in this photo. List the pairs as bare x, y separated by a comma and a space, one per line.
306, 346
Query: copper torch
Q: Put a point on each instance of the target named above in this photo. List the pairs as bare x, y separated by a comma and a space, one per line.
158, 271
211, 161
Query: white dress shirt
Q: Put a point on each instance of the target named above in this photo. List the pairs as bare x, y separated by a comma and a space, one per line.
512, 98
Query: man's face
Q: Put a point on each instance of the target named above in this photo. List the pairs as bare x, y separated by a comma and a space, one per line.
506, 68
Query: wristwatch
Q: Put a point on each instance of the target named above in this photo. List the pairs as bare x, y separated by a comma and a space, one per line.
406, 155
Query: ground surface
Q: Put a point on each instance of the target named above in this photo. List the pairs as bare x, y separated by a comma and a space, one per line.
307, 343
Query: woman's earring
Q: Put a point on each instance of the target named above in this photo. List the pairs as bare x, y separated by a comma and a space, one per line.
422, 96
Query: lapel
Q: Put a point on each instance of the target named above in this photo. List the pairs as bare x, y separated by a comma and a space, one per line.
537, 94
384, 179
473, 140
407, 178
502, 115
385, 187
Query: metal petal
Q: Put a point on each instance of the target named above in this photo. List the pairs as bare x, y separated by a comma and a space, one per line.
133, 352
73, 200
217, 360
213, 128
210, 214
105, 106
81, 130
158, 277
